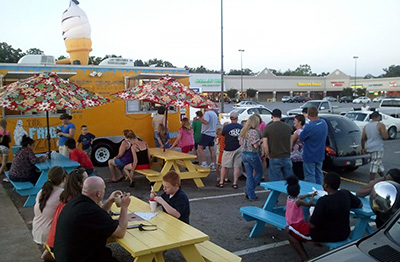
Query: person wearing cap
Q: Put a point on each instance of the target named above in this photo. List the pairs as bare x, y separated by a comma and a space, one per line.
232, 155
314, 137
276, 144
209, 121
67, 130
372, 142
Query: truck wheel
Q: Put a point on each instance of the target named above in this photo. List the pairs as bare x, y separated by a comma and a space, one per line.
102, 152
392, 132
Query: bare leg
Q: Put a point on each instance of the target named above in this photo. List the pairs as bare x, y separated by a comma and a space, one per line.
297, 245
212, 153
201, 154
224, 173
4, 159
236, 174
113, 169
372, 176
128, 171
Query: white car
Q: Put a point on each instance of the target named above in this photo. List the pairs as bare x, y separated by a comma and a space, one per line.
377, 99
362, 118
246, 104
361, 100
246, 112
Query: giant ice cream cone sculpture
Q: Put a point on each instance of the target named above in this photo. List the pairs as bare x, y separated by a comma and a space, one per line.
76, 33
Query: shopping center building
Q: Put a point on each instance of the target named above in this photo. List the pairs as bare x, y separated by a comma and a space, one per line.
272, 87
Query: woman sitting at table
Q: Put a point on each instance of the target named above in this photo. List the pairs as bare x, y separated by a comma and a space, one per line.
23, 166
123, 158
141, 157
46, 203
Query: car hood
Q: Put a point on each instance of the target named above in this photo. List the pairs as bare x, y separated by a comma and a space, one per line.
348, 253
295, 111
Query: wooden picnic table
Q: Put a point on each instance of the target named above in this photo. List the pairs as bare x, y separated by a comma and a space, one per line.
170, 233
172, 161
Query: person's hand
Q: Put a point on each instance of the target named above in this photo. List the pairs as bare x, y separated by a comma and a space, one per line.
159, 200
313, 194
115, 194
125, 200
153, 195
59, 134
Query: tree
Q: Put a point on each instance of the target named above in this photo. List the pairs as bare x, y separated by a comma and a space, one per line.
95, 60
251, 92
323, 74
8, 54
369, 76
232, 93
246, 71
361, 91
34, 51
138, 62
348, 91
391, 71
201, 69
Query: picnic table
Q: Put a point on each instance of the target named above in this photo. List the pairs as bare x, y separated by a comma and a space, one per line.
275, 215
170, 233
173, 160
30, 190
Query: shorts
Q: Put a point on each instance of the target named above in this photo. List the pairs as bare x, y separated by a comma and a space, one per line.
206, 140
300, 231
119, 163
4, 150
187, 149
376, 162
143, 166
88, 151
232, 158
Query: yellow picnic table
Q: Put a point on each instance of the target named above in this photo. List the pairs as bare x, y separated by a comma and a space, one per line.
171, 233
172, 161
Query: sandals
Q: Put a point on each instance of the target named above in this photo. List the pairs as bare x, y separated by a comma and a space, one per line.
235, 186
220, 185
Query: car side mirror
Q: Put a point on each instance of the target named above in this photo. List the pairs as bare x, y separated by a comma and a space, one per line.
322, 108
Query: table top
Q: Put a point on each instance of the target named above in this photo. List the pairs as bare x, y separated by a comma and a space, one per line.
171, 232
307, 187
169, 155
56, 160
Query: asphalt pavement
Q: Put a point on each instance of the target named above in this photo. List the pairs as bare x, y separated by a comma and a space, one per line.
215, 211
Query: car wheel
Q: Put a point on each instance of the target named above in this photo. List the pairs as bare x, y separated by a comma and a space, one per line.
102, 152
392, 133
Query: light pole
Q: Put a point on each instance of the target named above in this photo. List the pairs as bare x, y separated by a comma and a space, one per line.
241, 70
355, 72
222, 58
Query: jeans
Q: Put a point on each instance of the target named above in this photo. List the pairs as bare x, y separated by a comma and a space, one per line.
278, 166
252, 162
313, 172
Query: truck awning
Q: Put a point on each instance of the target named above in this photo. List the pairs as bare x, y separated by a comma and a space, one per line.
18, 75
156, 76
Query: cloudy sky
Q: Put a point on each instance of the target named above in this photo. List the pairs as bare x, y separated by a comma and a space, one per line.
282, 34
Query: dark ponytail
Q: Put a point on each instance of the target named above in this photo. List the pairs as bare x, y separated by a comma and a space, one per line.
73, 185
293, 187
56, 176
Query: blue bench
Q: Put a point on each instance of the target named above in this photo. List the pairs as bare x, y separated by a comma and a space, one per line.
22, 188
262, 216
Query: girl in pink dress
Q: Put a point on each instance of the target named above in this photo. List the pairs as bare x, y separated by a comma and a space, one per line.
185, 138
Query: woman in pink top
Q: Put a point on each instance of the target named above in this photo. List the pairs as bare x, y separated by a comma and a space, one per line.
294, 204
185, 138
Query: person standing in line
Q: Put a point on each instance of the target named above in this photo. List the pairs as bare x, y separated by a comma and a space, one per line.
314, 137
157, 120
297, 147
372, 142
261, 127
364, 108
250, 141
232, 155
66, 131
209, 121
86, 139
276, 143
196, 126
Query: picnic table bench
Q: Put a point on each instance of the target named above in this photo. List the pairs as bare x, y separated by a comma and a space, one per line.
173, 160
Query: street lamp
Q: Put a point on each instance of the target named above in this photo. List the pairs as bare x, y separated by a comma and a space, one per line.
355, 72
222, 57
241, 70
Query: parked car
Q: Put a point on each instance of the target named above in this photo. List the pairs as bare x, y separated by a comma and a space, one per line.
246, 104
361, 119
361, 100
246, 112
390, 106
287, 99
377, 99
343, 145
346, 99
330, 99
323, 106
299, 99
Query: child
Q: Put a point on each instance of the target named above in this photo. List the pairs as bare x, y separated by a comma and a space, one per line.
185, 138
79, 156
87, 140
196, 126
174, 201
294, 202
162, 138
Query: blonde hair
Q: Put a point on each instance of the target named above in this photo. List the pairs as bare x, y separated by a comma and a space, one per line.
3, 124
161, 131
218, 131
129, 134
252, 123
186, 124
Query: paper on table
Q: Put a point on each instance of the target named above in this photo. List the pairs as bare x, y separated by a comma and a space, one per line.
139, 216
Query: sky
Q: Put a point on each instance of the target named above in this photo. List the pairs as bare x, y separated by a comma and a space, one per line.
281, 35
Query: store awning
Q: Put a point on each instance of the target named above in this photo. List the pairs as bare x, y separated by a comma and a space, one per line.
17, 75
156, 76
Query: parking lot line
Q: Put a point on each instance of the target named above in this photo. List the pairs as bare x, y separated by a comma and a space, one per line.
224, 196
261, 248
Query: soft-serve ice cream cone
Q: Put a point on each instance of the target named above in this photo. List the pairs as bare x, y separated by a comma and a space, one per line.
76, 33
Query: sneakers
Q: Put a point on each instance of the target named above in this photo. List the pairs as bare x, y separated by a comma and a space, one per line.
212, 167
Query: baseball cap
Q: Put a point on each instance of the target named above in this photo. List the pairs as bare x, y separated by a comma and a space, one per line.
234, 115
276, 113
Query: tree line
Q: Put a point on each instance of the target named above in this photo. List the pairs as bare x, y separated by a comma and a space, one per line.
8, 54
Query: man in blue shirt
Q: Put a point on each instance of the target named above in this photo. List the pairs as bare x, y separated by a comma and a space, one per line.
314, 137
209, 121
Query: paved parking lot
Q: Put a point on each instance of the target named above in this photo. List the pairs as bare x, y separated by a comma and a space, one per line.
215, 211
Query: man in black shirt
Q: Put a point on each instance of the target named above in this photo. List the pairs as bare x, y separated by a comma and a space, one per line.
84, 225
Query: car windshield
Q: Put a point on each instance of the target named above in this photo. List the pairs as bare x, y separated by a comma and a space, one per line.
342, 126
311, 103
239, 111
390, 103
356, 116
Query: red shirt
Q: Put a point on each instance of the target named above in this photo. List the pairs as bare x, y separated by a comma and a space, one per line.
81, 157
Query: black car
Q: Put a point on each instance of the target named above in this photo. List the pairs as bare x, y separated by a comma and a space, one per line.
346, 99
343, 145
299, 99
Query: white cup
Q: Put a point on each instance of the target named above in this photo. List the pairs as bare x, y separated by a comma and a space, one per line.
118, 199
153, 206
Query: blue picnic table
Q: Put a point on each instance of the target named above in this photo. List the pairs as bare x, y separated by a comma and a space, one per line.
30, 190
275, 215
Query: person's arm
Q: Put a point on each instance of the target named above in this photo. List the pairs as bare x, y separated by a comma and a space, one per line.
366, 190
135, 159
355, 201
122, 149
300, 202
70, 134
204, 120
265, 146
382, 130
304, 134
293, 140
123, 217
363, 140
177, 140
170, 210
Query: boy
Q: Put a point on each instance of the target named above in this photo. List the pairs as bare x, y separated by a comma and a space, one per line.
86, 139
79, 156
330, 219
174, 201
